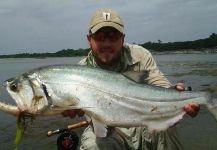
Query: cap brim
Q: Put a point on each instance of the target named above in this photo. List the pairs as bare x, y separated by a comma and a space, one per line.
107, 24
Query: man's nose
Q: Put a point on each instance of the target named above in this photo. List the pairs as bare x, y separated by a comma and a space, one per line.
107, 42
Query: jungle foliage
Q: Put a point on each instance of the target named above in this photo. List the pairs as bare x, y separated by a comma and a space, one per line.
200, 44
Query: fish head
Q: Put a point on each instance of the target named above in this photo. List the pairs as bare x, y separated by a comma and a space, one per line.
28, 93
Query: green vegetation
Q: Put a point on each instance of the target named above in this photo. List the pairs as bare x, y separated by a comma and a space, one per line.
199, 45
62, 53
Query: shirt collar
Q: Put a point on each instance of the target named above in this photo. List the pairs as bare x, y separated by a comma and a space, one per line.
130, 55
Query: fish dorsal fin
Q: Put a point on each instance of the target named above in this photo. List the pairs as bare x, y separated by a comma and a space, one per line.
60, 108
136, 76
100, 129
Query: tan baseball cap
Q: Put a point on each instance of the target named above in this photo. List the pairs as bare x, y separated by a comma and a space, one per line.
106, 18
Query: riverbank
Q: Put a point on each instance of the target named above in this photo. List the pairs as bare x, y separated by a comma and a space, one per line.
207, 45
187, 51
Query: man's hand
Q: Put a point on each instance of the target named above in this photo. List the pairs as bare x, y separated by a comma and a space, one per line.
72, 113
181, 87
191, 109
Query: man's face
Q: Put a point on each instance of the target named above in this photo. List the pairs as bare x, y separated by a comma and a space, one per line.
106, 46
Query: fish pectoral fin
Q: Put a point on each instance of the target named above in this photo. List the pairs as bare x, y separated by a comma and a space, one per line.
100, 129
163, 124
54, 107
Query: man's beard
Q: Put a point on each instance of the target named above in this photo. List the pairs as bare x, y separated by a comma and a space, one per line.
113, 62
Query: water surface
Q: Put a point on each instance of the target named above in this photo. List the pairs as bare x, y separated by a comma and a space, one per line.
196, 70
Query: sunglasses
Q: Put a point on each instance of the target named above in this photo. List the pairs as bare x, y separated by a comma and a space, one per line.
113, 36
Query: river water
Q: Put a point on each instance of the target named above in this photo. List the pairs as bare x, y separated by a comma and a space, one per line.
195, 70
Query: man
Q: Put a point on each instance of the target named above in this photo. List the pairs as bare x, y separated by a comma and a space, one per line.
108, 51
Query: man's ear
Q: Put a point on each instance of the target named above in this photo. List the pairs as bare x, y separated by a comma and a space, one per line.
88, 39
123, 38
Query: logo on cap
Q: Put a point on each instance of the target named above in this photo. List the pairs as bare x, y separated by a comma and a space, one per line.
106, 16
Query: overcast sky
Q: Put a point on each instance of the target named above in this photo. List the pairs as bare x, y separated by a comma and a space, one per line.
52, 25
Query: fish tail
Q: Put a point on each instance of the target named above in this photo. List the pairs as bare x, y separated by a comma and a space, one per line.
212, 101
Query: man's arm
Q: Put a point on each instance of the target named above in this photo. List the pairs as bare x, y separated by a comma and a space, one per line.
156, 77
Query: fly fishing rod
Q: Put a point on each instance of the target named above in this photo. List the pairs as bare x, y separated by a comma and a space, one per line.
68, 140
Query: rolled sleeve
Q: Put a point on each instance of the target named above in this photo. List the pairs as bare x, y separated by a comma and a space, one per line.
155, 77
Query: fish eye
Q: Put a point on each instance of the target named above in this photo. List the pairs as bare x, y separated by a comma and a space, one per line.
13, 87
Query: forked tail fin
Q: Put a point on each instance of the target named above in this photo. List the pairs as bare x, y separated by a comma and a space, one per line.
212, 102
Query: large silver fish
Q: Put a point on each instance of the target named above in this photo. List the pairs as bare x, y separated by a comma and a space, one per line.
107, 98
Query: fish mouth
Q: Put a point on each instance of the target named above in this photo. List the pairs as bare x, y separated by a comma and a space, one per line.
22, 116
10, 109
14, 110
